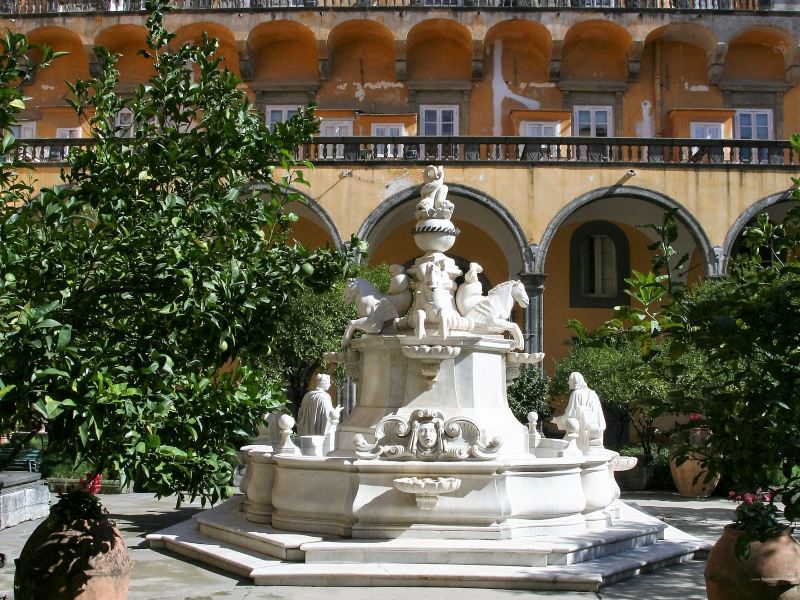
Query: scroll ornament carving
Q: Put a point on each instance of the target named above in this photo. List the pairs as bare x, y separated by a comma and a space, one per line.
427, 436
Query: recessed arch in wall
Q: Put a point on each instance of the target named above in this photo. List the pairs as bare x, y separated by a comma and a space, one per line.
127, 40
758, 54
283, 51
488, 229
631, 205
227, 43
49, 86
439, 49
362, 50
775, 205
606, 42
321, 227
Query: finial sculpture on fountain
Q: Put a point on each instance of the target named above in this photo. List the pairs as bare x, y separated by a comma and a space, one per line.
437, 303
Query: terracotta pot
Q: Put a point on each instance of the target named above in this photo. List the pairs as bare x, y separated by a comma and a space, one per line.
771, 572
690, 477
84, 559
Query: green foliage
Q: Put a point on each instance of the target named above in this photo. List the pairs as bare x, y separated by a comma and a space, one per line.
637, 369
732, 350
312, 324
529, 392
747, 326
140, 301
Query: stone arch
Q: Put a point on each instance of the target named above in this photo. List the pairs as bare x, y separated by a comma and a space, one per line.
606, 42
763, 205
439, 49
527, 41
656, 198
362, 68
127, 40
49, 87
758, 54
483, 210
312, 210
227, 43
283, 51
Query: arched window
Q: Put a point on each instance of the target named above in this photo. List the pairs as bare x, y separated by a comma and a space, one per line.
599, 262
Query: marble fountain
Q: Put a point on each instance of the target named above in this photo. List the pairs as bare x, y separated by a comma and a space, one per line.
431, 480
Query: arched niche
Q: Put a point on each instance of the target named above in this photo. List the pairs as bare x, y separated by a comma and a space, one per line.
490, 234
775, 205
127, 41
283, 51
49, 87
361, 51
193, 33
439, 49
605, 42
757, 54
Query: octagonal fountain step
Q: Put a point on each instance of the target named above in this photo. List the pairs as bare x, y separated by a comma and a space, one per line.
221, 538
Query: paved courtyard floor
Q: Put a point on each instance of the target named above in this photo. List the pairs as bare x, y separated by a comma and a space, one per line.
159, 575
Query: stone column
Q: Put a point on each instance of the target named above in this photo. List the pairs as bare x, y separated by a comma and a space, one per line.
532, 318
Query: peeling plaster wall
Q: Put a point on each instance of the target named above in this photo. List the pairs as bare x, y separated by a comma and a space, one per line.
501, 91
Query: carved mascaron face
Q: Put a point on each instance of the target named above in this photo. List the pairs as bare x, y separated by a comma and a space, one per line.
427, 436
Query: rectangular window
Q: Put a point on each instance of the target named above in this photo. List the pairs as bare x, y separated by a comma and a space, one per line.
539, 129
24, 130
703, 130
335, 128
592, 121
383, 130
67, 133
279, 114
754, 125
124, 123
598, 265
438, 120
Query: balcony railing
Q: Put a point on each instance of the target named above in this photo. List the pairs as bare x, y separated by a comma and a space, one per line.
672, 152
23, 7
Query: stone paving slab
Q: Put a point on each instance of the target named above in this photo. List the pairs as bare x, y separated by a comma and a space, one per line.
158, 575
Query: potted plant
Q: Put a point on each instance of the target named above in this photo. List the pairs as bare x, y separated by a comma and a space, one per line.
76, 552
689, 460
756, 557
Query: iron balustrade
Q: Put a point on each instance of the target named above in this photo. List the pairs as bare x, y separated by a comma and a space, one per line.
25, 7
678, 152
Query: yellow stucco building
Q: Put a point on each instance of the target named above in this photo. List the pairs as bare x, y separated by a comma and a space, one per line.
563, 124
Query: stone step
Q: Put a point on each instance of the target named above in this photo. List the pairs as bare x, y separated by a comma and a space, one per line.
226, 523
184, 539
593, 564
522, 552
586, 576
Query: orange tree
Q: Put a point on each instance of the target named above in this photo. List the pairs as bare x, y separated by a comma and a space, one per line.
163, 259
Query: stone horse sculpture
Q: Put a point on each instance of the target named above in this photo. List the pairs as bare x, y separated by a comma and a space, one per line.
374, 308
493, 310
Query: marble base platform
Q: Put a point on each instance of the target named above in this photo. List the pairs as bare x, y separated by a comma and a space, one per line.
636, 543
23, 497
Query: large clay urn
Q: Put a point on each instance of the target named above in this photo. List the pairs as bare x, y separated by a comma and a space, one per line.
690, 476
78, 558
772, 571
